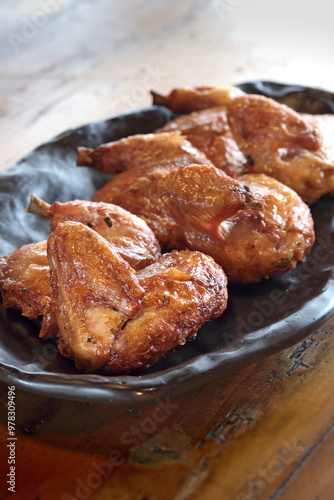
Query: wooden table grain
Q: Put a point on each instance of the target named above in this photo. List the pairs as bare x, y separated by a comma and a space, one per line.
265, 432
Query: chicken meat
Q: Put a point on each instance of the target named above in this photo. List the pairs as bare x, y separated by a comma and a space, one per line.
243, 133
294, 148
209, 131
139, 193
254, 240
146, 152
25, 284
142, 160
129, 234
25, 275
253, 227
188, 99
112, 320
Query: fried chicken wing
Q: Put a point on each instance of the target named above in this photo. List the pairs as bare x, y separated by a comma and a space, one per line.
209, 131
144, 160
130, 235
252, 133
25, 276
188, 99
114, 321
296, 149
136, 192
147, 152
140, 194
261, 238
252, 230
25, 284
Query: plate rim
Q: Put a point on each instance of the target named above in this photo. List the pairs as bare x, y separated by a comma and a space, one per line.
142, 389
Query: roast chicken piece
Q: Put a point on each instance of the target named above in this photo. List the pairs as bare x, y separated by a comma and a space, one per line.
146, 152
250, 242
130, 235
253, 227
243, 133
25, 284
188, 99
25, 276
139, 193
114, 321
142, 159
209, 131
296, 149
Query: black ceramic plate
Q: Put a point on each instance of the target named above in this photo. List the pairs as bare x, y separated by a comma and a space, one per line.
260, 319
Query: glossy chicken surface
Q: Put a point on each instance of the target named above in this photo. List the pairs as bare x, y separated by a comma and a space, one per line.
209, 131
258, 239
243, 133
25, 275
113, 320
253, 227
25, 284
296, 149
144, 160
188, 99
130, 235
146, 152
217, 186
141, 194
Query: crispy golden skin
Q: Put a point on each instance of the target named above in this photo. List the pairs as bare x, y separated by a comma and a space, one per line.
209, 131
251, 232
146, 152
143, 160
25, 276
294, 148
140, 194
25, 284
188, 99
114, 321
251, 241
130, 235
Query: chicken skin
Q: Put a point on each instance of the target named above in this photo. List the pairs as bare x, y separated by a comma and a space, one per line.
25, 275
146, 152
259, 239
139, 193
209, 131
243, 133
130, 235
142, 159
25, 284
294, 148
253, 227
112, 320
188, 99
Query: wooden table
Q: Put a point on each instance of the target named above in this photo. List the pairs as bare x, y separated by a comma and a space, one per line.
265, 432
